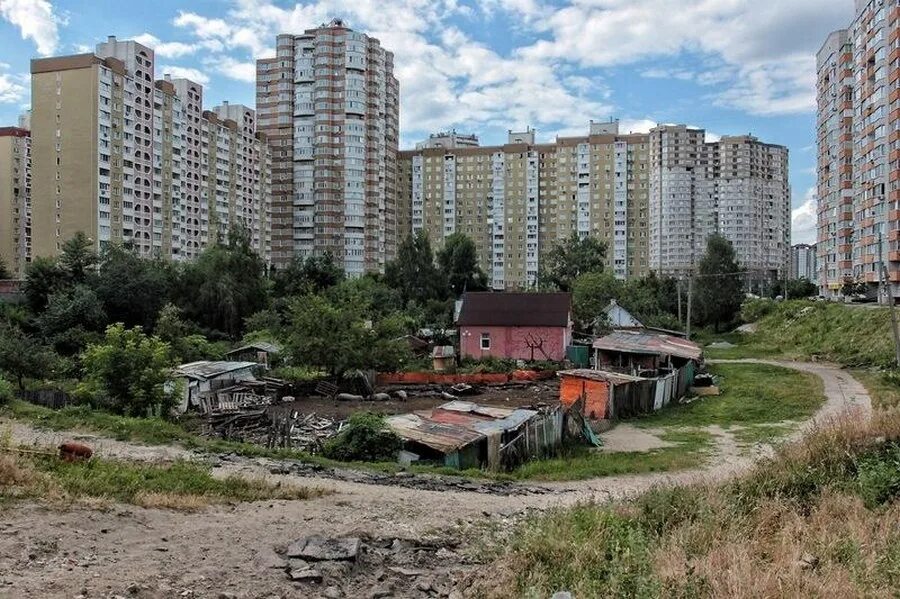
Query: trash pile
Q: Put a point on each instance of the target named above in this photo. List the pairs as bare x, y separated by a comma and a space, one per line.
276, 429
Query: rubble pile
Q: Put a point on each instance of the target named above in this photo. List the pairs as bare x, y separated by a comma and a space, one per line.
375, 567
286, 429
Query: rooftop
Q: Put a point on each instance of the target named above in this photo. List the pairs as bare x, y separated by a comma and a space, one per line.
647, 343
514, 309
209, 370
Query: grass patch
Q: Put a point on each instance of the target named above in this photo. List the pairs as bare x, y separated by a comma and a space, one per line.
761, 433
751, 394
882, 388
580, 463
181, 485
819, 519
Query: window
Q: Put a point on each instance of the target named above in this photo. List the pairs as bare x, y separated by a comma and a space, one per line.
485, 341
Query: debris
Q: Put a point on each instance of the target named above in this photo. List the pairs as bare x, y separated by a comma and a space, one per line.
406, 458
448, 396
332, 593
306, 575
808, 561
464, 389
318, 548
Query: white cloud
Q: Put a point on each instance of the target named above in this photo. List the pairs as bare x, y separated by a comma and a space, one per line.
166, 49
767, 49
195, 75
235, 69
803, 219
12, 88
35, 20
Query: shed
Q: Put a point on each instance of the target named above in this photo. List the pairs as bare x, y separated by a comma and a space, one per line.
443, 357
259, 352
521, 326
596, 387
644, 352
617, 316
198, 379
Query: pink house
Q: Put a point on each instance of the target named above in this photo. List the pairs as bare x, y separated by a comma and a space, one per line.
522, 326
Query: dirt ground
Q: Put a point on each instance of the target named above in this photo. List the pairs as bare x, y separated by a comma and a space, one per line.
236, 551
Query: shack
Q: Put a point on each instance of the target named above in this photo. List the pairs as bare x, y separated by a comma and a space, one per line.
199, 379
598, 391
259, 352
462, 434
644, 353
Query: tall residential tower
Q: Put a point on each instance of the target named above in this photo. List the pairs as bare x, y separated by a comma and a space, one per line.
329, 103
15, 199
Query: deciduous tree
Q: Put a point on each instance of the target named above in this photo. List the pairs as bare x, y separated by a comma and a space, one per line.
414, 273
458, 261
23, 356
720, 286
570, 259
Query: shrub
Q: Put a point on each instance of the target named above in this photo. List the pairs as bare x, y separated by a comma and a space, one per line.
366, 438
6, 391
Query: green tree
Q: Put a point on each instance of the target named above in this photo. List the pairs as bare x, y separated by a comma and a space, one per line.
414, 273
186, 343
78, 259
569, 259
127, 371
133, 289
310, 275
720, 286
43, 277
591, 294
73, 317
458, 261
372, 296
224, 286
22, 356
801, 289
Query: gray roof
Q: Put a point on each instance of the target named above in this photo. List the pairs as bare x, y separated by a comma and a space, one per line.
271, 348
205, 370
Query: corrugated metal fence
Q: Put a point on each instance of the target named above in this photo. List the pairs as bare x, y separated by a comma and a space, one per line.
642, 397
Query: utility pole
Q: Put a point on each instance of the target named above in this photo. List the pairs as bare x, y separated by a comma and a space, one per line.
885, 288
689, 301
678, 287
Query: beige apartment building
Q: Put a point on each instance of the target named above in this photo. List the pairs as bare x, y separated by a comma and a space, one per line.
329, 103
737, 187
517, 200
131, 159
859, 148
15, 199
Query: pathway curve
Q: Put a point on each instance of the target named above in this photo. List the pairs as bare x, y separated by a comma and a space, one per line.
99, 553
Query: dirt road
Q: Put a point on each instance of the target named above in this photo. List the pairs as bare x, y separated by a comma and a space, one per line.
229, 551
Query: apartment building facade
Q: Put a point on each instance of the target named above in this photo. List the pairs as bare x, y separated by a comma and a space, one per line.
516, 201
15, 199
130, 159
803, 262
329, 103
737, 187
858, 151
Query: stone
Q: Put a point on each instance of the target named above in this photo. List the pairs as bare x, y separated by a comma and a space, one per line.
306, 575
562, 595
268, 559
381, 397
401, 394
406, 571
332, 593
385, 590
444, 553
317, 548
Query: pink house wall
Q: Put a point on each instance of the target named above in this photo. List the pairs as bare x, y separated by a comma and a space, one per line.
514, 342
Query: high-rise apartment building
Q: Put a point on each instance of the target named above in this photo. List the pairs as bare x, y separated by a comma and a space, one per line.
517, 200
803, 262
858, 135
329, 103
15, 199
127, 158
737, 187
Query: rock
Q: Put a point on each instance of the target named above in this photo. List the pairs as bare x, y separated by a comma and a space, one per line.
226, 595
381, 397
332, 593
562, 595
808, 561
306, 575
444, 553
401, 395
385, 590
297, 564
424, 584
317, 548
348, 397
406, 571
267, 559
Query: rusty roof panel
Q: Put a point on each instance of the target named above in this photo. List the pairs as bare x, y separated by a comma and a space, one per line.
601, 375
643, 342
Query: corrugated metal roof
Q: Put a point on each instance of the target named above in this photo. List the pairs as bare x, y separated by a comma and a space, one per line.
513, 309
643, 342
210, 370
265, 346
456, 424
601, 375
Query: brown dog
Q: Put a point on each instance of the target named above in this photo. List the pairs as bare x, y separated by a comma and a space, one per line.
75, 452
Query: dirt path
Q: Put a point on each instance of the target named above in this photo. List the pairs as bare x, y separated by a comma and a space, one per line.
228, 551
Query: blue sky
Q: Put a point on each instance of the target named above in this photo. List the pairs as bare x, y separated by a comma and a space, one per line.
730, 66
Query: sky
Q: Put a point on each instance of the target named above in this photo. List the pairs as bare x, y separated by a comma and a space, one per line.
729, 66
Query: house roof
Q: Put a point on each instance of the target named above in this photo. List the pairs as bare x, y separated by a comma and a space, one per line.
619, 316
271, 348
456, 424
647, 343
601, 375
205, 370
512, 309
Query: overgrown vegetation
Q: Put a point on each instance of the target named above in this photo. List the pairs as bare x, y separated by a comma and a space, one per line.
817, 519
366, 438
181, 485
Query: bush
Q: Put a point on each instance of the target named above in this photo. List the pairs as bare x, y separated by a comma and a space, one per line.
365, 439
487, 365
6, 391
754, 309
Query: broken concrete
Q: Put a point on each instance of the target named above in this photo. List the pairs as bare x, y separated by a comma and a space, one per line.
316, 548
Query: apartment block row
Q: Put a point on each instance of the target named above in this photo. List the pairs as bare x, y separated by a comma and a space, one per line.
15, 195
858, 137
653, 198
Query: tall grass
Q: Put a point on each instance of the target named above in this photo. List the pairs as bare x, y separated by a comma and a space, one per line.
818, 519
